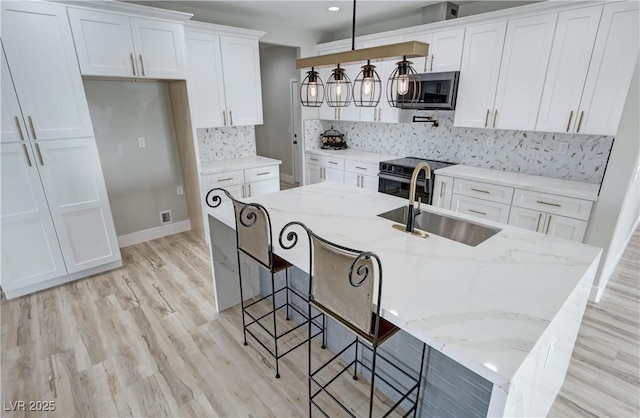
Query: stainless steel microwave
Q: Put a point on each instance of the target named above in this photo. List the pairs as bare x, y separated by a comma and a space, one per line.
437, 91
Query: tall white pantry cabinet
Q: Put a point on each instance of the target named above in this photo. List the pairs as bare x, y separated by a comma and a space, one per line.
56, 223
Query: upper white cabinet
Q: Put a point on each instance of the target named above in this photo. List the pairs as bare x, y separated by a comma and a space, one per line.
348, 113
39, 49
445, 50
612, 63
515, 80
115, 45
568, 66
383, 112
12, 128
223, 77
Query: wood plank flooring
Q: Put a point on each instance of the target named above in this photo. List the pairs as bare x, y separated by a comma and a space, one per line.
144, 340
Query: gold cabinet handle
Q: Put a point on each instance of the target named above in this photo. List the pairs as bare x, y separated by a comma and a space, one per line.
249, 187
133, 64
542, 202
333, 162
379, 114
442, 186
26, 154
230, 118
322, 172
580, 121
477, 211
538, 223
224, 116
431, 66
19, 128
243, 194
262, 174
548, 224
360, 168
39, 154
33, 129
313, 159
569, 123
486, 118
480, 191
225, 179
142, 65
495, 116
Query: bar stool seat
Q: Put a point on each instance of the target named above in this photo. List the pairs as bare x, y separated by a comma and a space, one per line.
254, 240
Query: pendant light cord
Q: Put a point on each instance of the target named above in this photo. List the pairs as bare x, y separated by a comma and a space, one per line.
353, 28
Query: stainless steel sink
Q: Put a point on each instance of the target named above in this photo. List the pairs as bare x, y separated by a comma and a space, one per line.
465, 232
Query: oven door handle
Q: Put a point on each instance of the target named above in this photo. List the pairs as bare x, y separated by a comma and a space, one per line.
420, 183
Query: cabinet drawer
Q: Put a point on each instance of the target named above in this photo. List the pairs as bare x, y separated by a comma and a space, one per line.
331, 162
361, 168
480, 208
228, 178
486, 191
261, 173
557, 205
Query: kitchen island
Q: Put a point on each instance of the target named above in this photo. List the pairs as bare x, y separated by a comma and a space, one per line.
507, 310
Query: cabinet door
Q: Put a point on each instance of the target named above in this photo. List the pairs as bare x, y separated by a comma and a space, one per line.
30, 249
522, 71
614, 57
12, 128
442, 192
103, 43
368, 182
77, 196
314, 174
532, 220
384, 112
42, 59
159, 48
326, 112
259, 188
333, 174
446, 50
351, 179
480, 208
567, 228
479, 75
243, 91
570, 56
204, 79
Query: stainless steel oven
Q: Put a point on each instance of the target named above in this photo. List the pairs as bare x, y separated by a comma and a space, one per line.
394, 178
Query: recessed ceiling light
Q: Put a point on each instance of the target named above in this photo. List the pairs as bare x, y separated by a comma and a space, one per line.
333, 8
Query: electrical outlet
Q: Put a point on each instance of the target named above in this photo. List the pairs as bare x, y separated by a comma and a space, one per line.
180, 190
141, 142
563, 147
490, 142
165, 217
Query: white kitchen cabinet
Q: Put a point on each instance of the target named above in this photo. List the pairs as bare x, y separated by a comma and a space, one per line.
383, 112
614, 57
223, 77
347, 113
546, 223
116, 45
570, 56
361, 174
12, 126
244, 183
30, 249
321, 168
259, 188
504, 92
445, 50
484, 209
41, 56
442, 192
479, 72
314, 173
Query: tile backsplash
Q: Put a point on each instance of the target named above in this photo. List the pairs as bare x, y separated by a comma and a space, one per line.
226, 143
536, 153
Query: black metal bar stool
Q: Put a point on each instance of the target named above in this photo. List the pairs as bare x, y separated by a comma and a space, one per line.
342, 286
254, 239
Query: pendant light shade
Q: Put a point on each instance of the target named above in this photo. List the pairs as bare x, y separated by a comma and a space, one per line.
367, 87
338, 88
403, 86
312, 90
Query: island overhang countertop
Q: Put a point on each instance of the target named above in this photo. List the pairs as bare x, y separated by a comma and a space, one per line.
485, 307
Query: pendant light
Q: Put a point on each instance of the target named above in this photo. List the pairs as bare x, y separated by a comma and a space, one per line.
338, 88
367, 87
403, 87
312, 90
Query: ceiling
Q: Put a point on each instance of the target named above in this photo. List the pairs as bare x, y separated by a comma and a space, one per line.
306, 14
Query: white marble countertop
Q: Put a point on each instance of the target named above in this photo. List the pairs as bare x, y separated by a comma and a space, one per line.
485, 306
570, 188
350, 154
221, 166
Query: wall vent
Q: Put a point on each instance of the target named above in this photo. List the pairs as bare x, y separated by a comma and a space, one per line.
165, 217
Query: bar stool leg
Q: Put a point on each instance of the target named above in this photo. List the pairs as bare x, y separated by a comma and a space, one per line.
286, 291
373, 376
244, 327
275, 328
310, 322
324, 331
415, 411
355, 365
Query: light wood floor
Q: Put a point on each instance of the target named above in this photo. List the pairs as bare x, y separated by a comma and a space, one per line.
145, 340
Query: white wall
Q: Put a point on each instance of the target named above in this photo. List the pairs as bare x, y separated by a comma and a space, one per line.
141, 182
618, 208
273, 138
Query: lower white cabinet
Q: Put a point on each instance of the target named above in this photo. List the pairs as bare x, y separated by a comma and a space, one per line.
361, 174
484, 209
56, 218
244, 183
546, 223
322, 168
442, 192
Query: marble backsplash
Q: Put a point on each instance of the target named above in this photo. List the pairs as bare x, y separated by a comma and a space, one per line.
226, 143
528, 152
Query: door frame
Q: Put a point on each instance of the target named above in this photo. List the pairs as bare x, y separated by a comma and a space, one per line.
296, 122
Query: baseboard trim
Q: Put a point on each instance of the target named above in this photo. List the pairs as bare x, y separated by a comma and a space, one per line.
288, 178
154, 233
